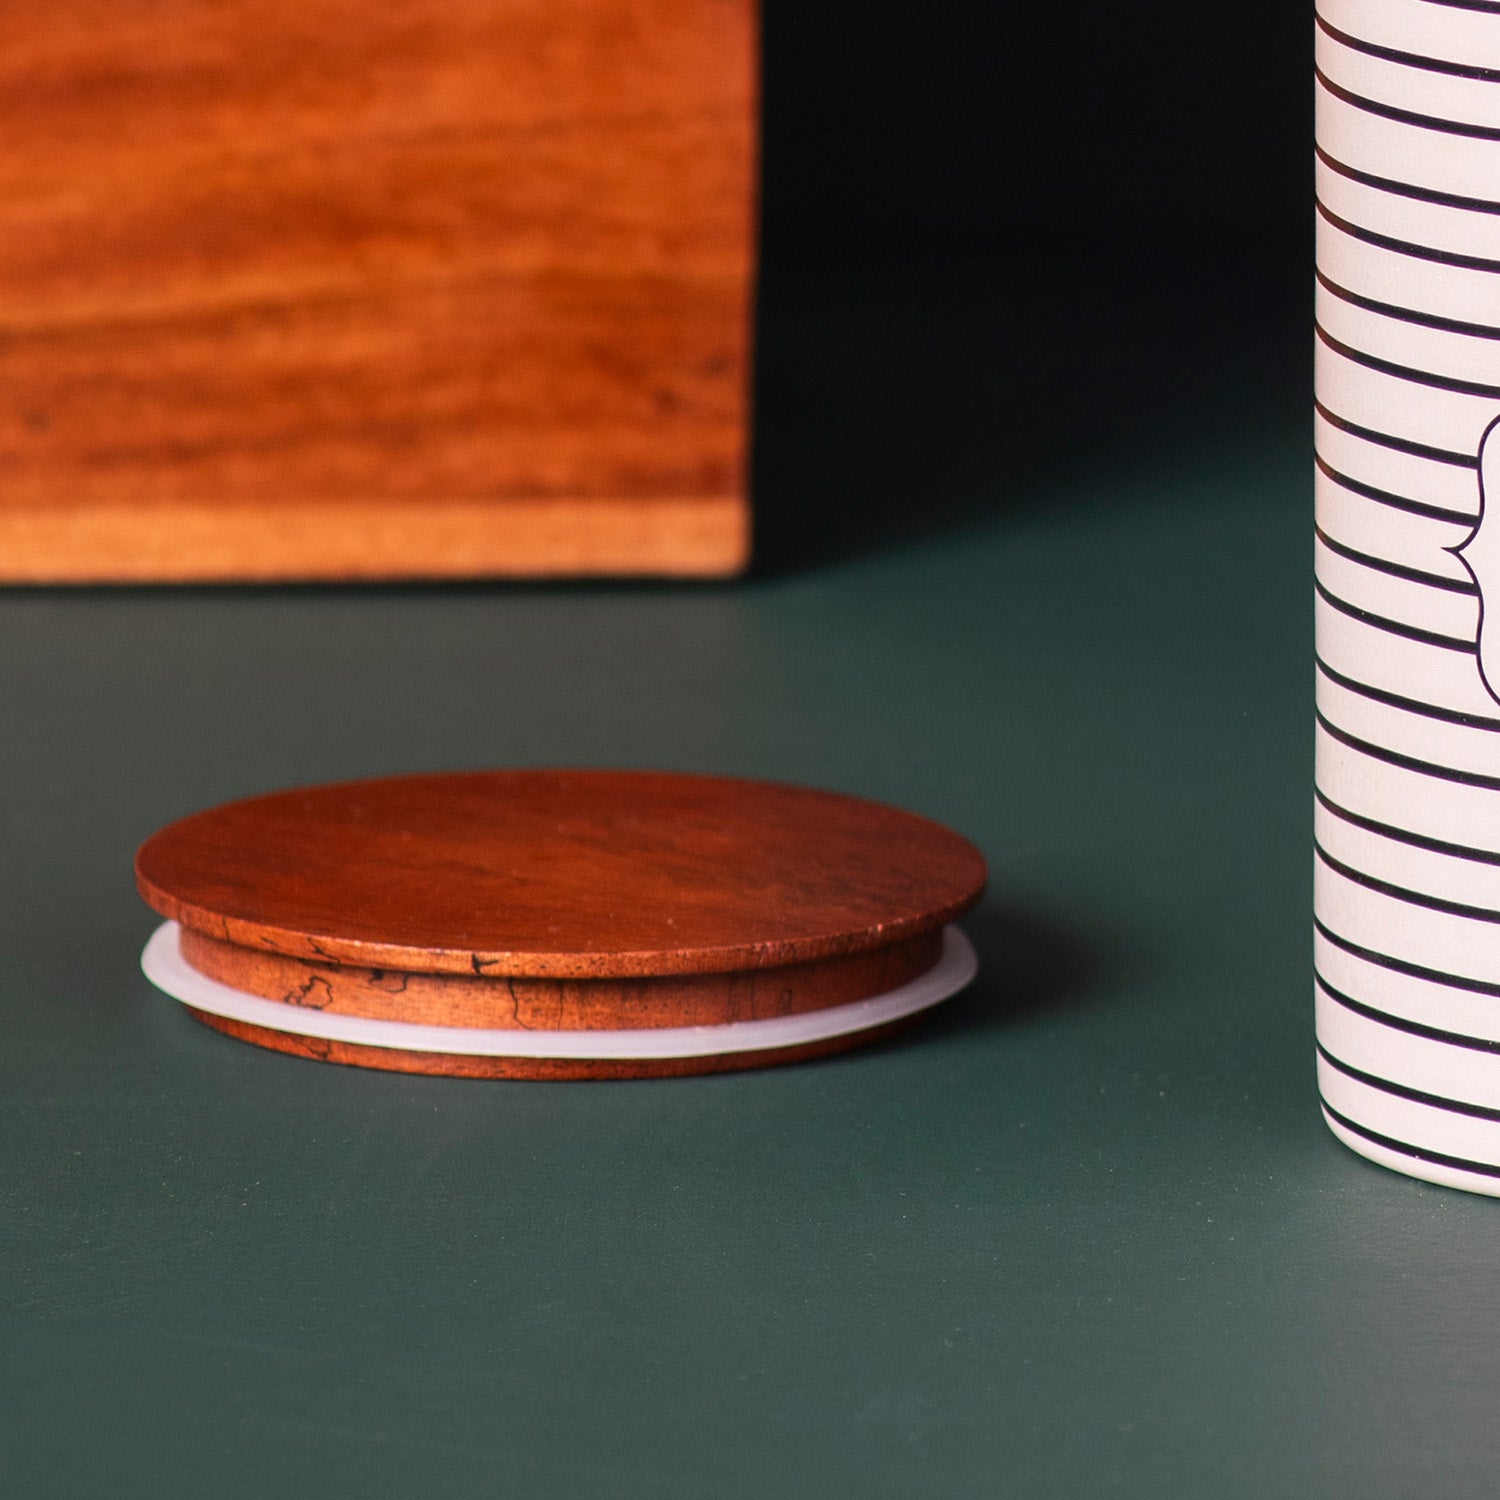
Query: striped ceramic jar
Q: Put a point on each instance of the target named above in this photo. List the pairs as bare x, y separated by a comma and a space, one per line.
1408, 583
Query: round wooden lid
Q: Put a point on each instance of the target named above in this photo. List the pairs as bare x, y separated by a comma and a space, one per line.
559, 874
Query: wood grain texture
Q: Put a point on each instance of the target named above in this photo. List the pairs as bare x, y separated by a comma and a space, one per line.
560, 875
325, 290
560, 1004
558, 1069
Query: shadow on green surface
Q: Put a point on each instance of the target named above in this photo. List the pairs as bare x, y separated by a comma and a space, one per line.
1029, 965
892, 408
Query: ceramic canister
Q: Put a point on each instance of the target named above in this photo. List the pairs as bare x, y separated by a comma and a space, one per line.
1408, 584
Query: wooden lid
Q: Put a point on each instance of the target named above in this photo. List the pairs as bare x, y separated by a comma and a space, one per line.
559, 874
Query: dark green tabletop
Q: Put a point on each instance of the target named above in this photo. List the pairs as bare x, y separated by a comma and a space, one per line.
1083, 1233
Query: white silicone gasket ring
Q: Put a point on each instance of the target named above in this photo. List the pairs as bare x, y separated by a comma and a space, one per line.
165, 967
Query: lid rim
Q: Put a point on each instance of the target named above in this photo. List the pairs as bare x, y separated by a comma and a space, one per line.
559, 964
560, 874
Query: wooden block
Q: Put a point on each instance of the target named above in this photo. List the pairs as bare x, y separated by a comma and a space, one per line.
310, 289
557, 923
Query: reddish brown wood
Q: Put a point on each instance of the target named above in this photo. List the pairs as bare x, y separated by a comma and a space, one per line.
560, 1004
317, 289
456, 1065
557, 901
560, 874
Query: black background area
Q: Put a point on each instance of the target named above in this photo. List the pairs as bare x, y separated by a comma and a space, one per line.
997, 241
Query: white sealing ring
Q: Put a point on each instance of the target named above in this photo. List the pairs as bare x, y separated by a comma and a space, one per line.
166, 968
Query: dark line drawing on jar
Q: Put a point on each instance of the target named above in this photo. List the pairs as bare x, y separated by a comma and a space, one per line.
1479, 552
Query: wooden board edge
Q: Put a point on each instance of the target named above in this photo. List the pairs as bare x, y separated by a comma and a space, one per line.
373, 541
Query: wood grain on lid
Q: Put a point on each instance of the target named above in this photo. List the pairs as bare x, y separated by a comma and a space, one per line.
560, 874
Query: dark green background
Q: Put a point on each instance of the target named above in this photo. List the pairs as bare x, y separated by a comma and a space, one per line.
1032, 489
1082, 1233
